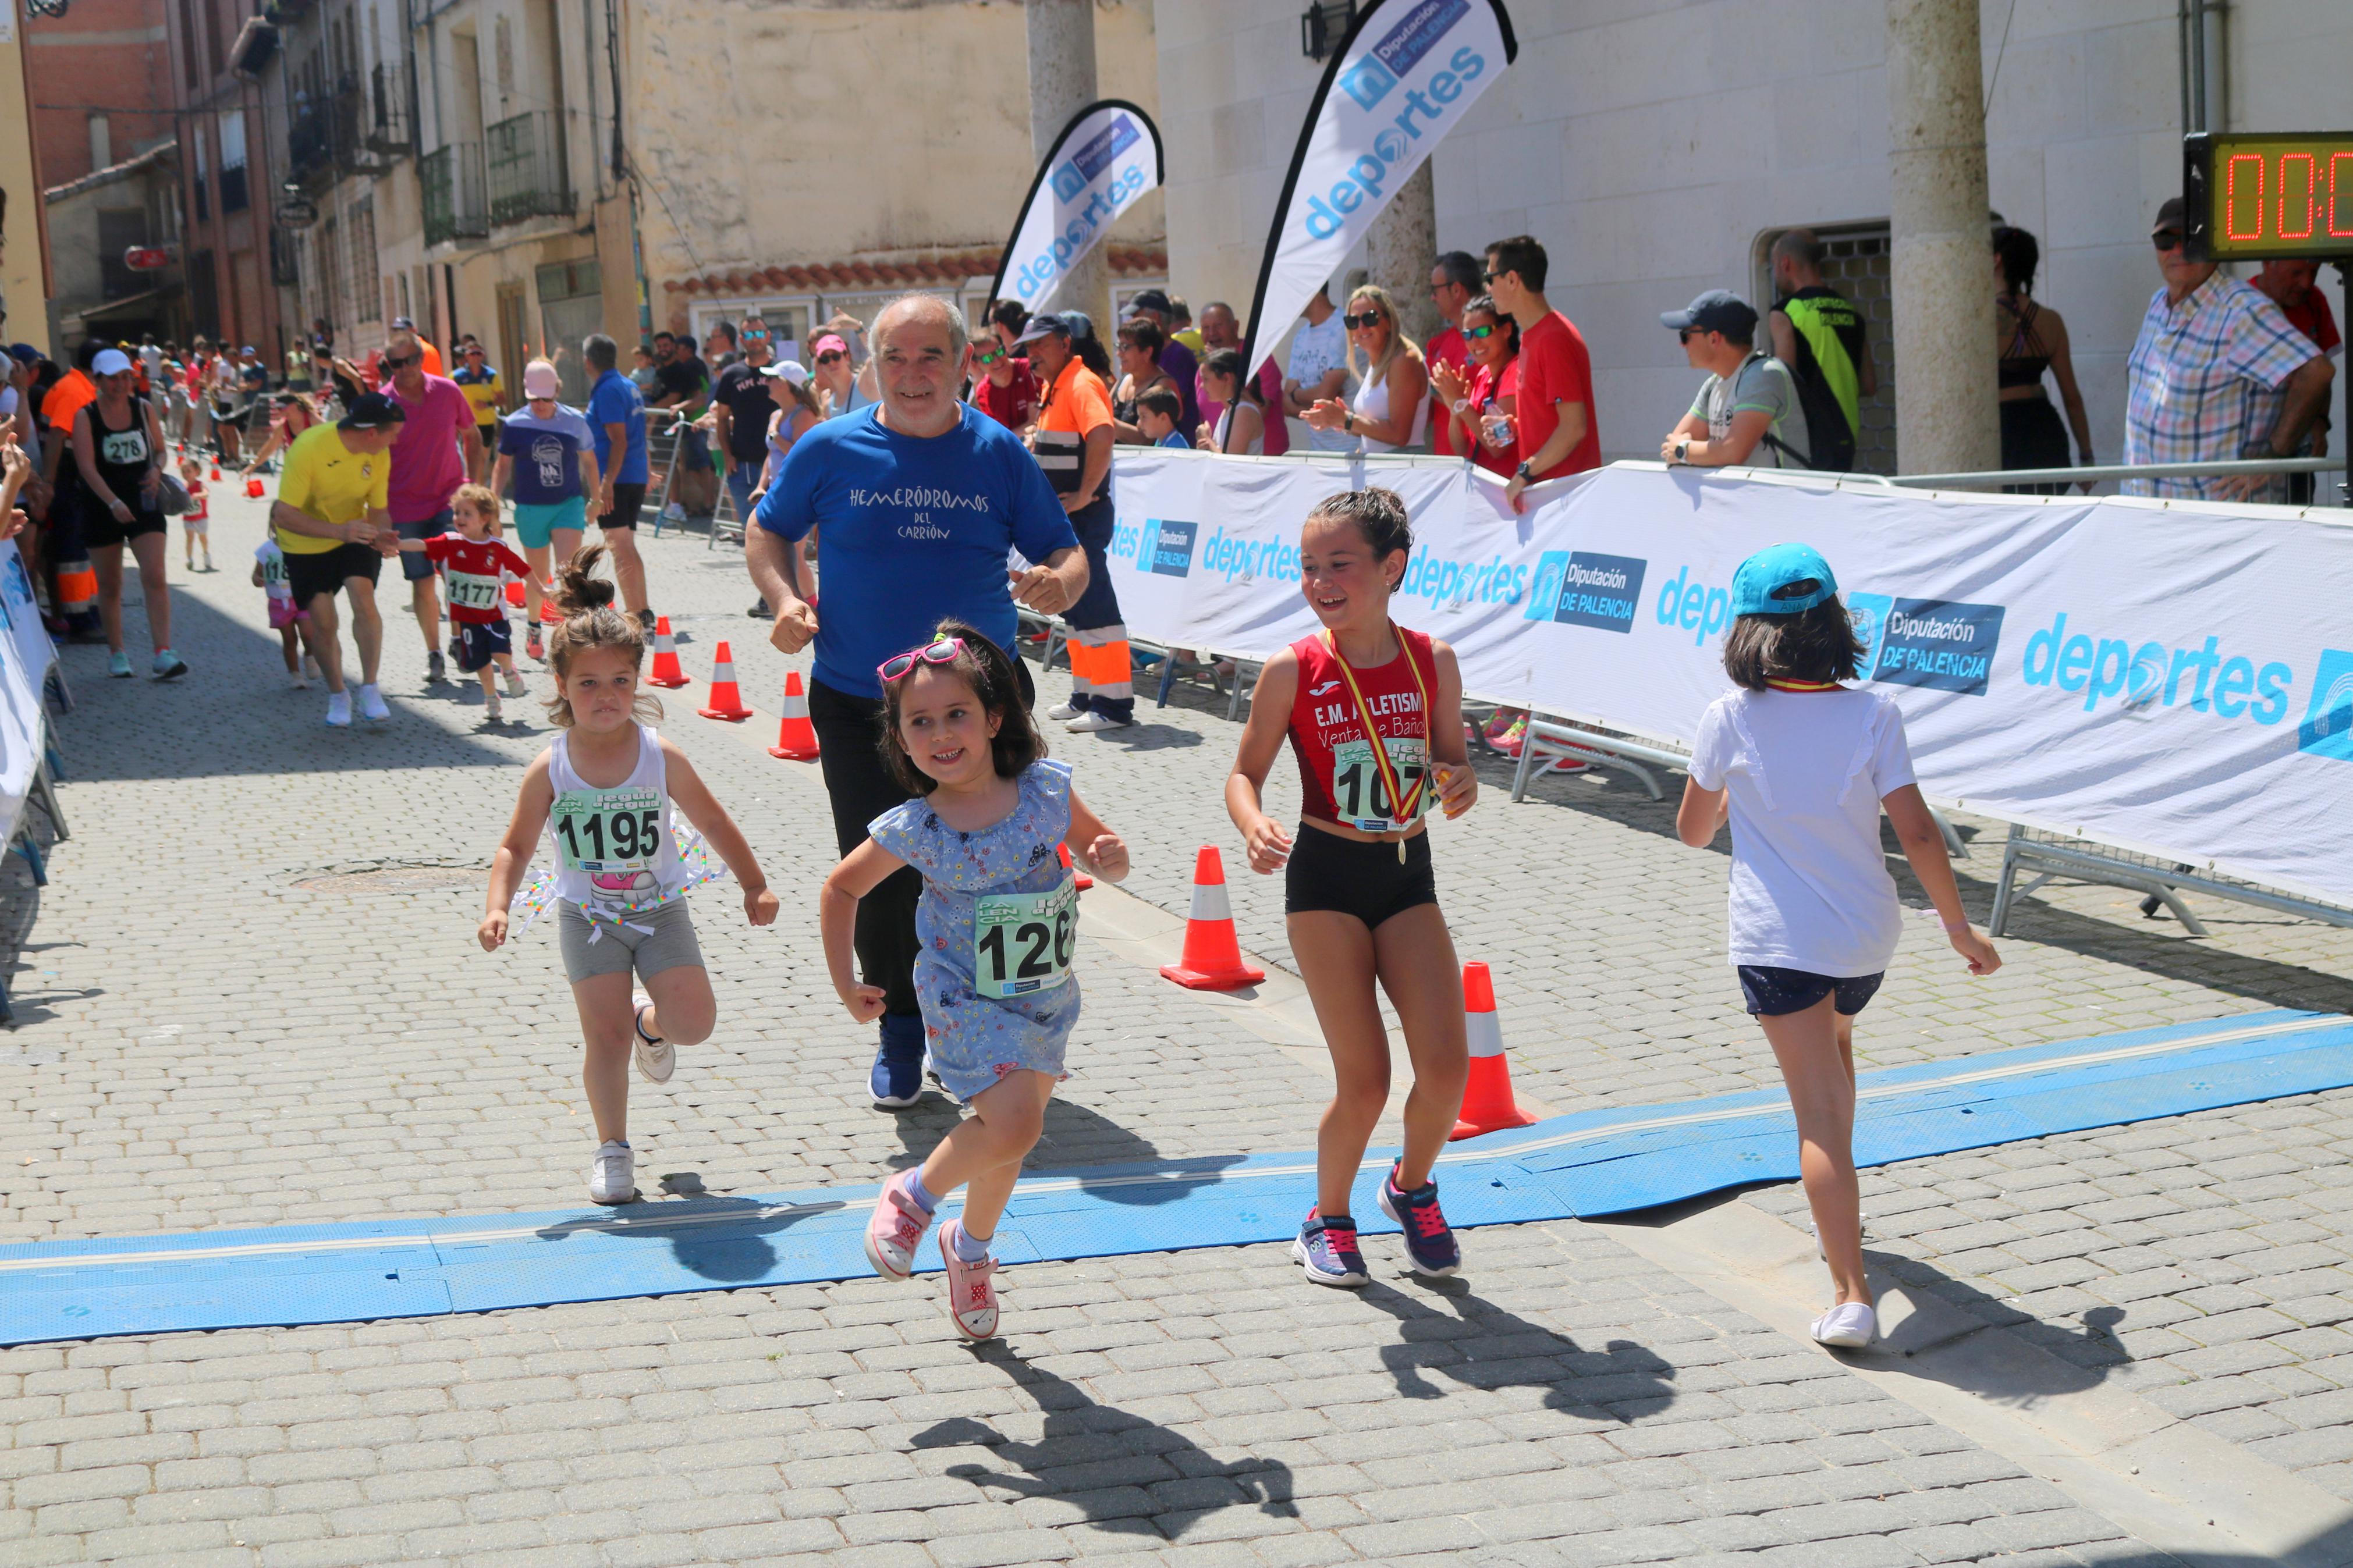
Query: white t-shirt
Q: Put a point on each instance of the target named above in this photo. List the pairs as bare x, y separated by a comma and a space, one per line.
1806, 770
1315, 352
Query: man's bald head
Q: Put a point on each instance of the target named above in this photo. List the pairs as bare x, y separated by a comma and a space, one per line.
929, 310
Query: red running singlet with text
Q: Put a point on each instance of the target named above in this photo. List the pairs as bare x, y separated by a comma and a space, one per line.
1340, 773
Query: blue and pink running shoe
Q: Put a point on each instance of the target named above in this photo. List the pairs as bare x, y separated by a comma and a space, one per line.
1431, 1249
1327, 1251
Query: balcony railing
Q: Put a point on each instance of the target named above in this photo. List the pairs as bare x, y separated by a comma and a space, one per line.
454, 207
526, 169
388, 129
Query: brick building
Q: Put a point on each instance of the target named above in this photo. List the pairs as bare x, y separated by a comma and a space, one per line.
103, 85
233, 260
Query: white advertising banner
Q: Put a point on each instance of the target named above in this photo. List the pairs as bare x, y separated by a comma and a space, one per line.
1405, 75
25, 655
1104, 161
2151, 675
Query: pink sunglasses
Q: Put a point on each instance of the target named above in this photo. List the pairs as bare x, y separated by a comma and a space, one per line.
941, 652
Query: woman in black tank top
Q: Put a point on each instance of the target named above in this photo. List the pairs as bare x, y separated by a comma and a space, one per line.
118, 445
2033, 338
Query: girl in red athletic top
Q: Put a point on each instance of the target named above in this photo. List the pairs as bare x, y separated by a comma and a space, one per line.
1374, 713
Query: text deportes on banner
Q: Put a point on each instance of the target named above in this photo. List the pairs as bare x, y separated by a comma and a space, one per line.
1405, 75
1104, 161
2069, 663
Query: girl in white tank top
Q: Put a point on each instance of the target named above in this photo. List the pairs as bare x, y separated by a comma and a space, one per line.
601, 795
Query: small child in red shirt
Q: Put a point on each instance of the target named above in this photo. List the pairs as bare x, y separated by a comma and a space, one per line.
195, 523
476, 566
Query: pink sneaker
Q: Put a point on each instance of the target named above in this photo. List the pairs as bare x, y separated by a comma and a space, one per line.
972, 1288
895, 1230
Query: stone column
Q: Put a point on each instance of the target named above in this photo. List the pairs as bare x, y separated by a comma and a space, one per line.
1398, 250
1946, 416
1062, 82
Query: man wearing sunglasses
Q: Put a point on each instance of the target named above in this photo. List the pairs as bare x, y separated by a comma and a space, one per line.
437, 451
918, 501
2218, 372
1003, 387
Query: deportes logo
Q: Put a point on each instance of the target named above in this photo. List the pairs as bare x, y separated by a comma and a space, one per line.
2151, 674
1167, 547
1094, 157
2327, 727
1376, 81
1578, 589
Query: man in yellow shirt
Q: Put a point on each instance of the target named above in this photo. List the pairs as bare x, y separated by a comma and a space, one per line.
478, 378
332, 520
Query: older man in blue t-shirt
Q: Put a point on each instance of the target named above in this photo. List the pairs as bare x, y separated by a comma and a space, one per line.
918, 501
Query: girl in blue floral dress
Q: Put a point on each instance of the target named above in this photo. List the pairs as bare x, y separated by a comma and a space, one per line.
998, 925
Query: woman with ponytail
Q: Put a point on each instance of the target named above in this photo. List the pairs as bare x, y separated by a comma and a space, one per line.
603, 794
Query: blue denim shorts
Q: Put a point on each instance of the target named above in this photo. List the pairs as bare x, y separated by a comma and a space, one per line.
1772, 991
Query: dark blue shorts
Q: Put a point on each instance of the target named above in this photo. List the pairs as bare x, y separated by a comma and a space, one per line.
1772, 991
414, 564
477, 642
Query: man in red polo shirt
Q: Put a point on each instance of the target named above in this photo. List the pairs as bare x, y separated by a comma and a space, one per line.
1453, 280
1557, 428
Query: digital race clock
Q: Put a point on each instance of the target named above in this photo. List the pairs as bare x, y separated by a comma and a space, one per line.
2252, 196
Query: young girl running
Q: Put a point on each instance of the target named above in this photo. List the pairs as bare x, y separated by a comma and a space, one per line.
998, 923
608, 782
269, 577
1375, 716
1802, 766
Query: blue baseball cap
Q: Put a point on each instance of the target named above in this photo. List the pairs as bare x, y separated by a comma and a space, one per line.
1782, 580
1715, 310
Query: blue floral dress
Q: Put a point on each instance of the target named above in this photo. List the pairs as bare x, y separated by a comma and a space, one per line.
998, 927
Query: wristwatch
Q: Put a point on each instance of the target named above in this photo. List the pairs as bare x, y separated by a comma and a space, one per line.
1683, 451
1524, 473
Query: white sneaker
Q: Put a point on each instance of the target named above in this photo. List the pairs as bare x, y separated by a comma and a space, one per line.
1061, 712
294, 679
491, 707
515, 687
339, 710
372, 705
310, 668
1850, 1327
1091, 722
657, 1059
613, 1175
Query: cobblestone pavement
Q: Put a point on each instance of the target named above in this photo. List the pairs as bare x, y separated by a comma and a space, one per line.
251, 995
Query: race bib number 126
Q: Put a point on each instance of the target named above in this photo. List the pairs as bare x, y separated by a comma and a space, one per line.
1022, 942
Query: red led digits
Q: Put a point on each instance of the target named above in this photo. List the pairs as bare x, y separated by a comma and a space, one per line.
2340, 196
2304, 213
2232, 200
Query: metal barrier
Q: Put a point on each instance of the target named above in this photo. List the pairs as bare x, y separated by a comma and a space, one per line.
1996, 478
665, 439
2050, 857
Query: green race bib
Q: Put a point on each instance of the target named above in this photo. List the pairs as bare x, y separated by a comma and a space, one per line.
469, 592
612, 836
1356, 792
1022, 942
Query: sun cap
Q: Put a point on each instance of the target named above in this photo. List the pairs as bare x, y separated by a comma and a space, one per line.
2172, 213
109, 362
830, 343
1715, 310
1151, 299
1043, 322
539, 379
372, 411
790, 371
1755, 588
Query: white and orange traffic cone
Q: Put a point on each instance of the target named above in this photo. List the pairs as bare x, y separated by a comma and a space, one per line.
1081, 881
1487, 1103
1212, 960
726, 702
216, 474
795, 736
666, 669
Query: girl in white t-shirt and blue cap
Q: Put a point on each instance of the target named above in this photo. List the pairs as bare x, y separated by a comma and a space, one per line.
1803, 766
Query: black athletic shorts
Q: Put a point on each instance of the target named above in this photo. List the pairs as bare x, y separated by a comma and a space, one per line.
626, 499
100, 527
323, 572
1367, 881
1771, 992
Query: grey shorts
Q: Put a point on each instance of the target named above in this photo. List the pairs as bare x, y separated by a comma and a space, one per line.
650, 942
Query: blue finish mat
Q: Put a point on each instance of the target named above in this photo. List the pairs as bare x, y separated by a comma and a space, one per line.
1594, 1162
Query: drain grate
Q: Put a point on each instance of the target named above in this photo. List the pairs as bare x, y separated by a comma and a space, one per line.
396, 878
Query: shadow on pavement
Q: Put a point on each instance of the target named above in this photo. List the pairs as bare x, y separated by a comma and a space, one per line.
1073, 1135
1480, 1345
721, 1239
1124, 1473
234, 714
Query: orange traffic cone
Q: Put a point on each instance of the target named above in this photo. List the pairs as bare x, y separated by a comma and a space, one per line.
514, 593
215, 478
1213, 957
666, 669
795, 736
1079, 879
548, 613
726, 702
1487, 1103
